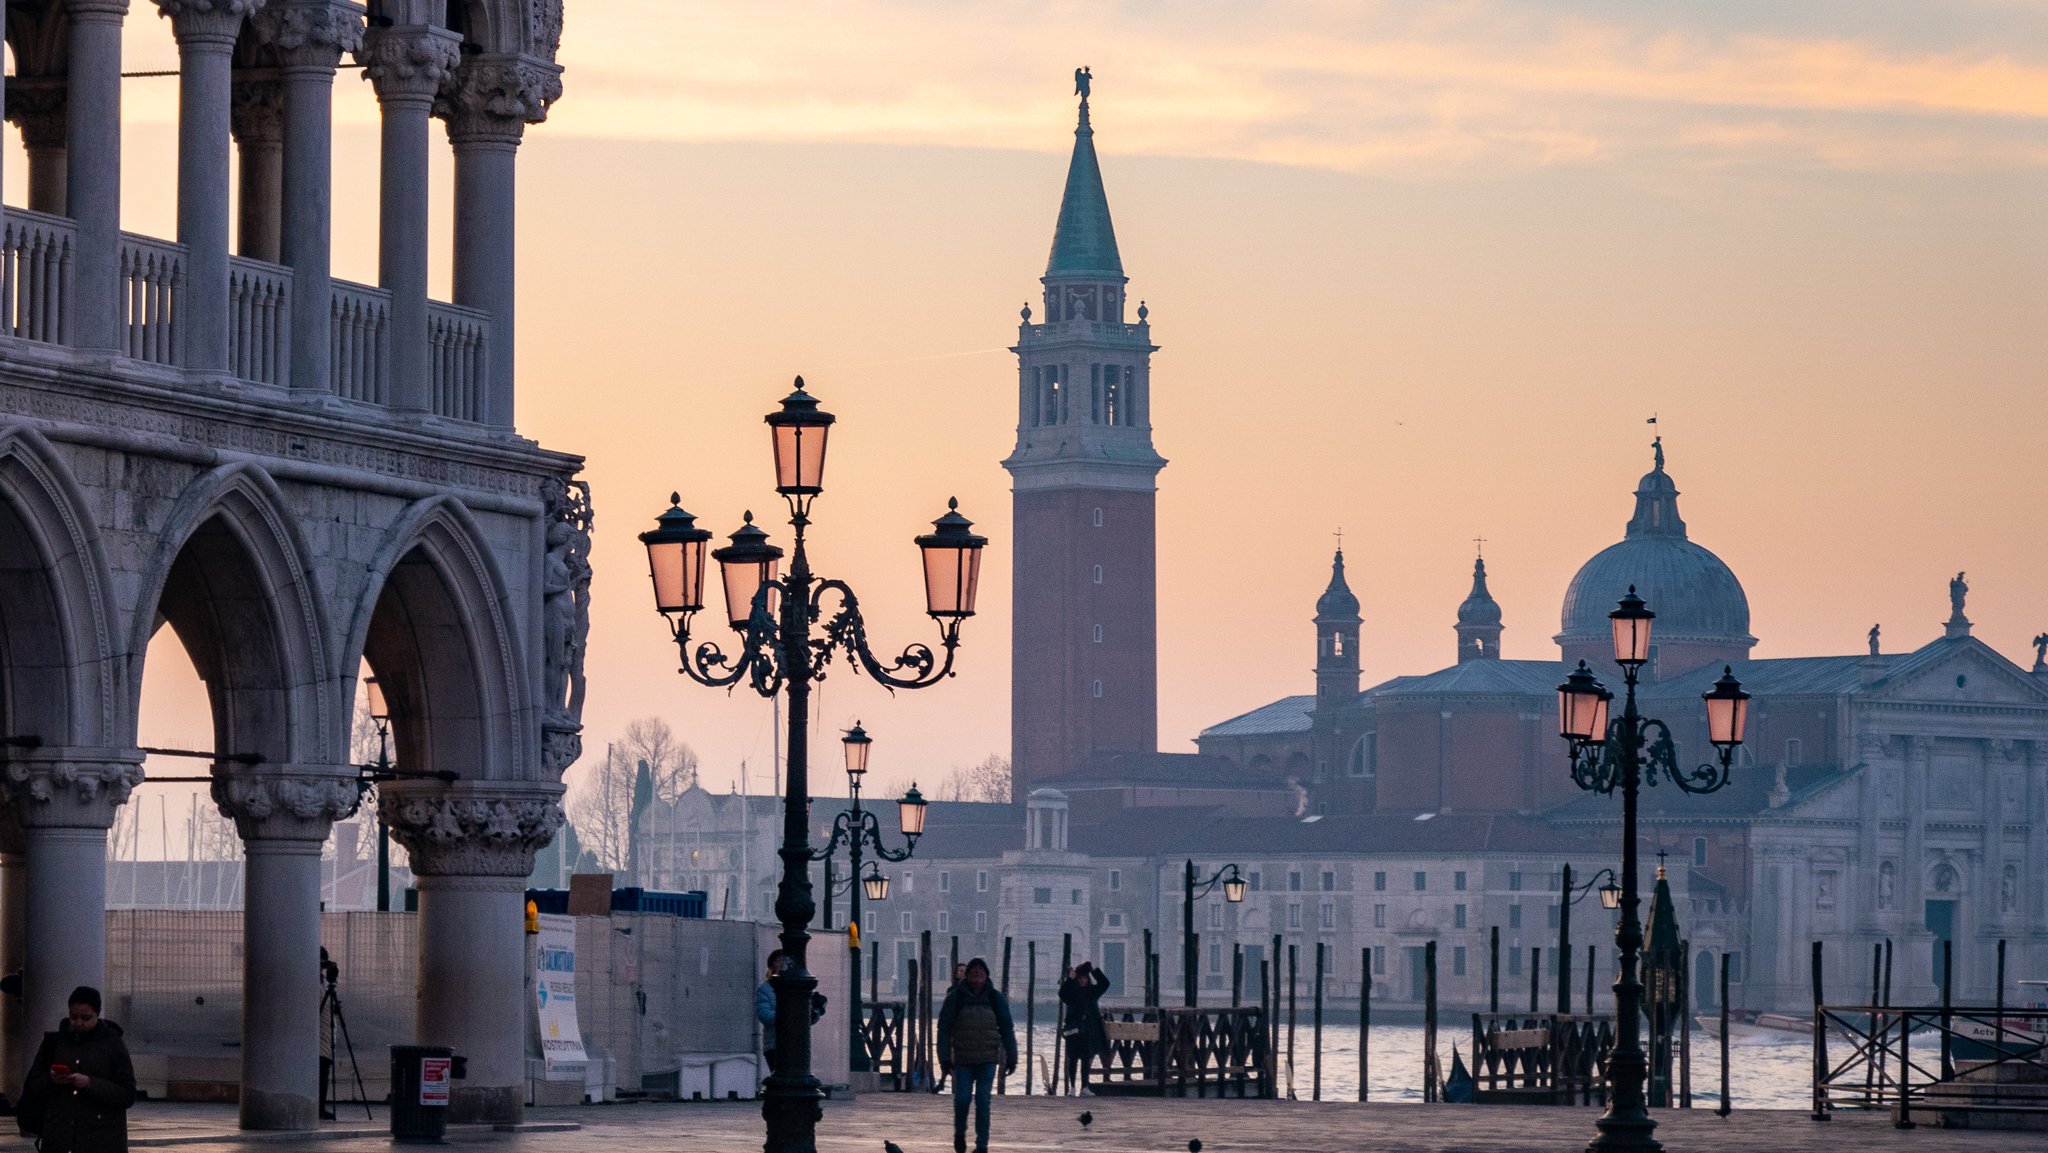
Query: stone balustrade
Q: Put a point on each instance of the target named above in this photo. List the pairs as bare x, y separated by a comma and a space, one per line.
460, 365
361, 355
259, 319
35, 274
152, 274
38, 302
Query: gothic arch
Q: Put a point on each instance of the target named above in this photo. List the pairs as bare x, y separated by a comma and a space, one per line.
436, 625
56, 632
233, 578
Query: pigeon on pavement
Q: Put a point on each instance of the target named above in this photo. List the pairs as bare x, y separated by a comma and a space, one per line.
1086, 1119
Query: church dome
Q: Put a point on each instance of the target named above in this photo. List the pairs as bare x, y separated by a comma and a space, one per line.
1695, 595
1479, 607
1337, 603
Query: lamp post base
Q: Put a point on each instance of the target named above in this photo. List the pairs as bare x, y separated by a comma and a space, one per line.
1626, 1127
1625, 1134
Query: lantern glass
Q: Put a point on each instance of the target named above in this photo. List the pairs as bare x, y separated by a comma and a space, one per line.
1581, 707
676, 550
380, 710
1631, 630
910, 812
746, 564
1727, 710
876, 885
800, 429
1610, 896
1234, 887
856, 742
952, 565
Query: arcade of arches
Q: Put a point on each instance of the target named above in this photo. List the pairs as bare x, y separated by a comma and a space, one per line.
298, 477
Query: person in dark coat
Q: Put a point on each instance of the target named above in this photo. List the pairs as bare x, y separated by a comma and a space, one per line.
976, 1033
1085, 1035
81, 1083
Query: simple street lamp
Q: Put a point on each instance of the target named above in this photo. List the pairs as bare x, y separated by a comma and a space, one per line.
1626, 753
774, 618
858, 830
380, 715
1233, 883
374, 775
1610, 899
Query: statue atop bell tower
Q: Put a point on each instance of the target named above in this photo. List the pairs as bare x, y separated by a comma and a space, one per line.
1083, 475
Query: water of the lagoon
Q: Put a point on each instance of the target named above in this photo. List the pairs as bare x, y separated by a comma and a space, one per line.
1760, 1076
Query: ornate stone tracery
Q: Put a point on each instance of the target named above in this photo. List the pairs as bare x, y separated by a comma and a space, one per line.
287, 806
497, 96
310, 35
409, 63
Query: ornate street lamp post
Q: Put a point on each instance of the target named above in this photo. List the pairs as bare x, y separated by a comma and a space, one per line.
1233, 883
774, 619
1626, 753
859, 830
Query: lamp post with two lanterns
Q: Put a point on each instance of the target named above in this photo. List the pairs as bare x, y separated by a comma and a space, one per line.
1233, 882
1626, 753
774, 619
859, 831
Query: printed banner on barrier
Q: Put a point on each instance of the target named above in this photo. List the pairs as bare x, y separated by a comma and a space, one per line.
554, 990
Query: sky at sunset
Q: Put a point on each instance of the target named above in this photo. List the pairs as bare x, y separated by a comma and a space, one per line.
1419, 272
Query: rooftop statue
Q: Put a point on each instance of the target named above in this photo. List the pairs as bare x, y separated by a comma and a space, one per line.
1957, 590
1082, 79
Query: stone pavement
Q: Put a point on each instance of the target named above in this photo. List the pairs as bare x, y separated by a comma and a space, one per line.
922, 1124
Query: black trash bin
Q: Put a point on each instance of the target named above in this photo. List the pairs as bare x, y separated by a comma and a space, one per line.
420, 1083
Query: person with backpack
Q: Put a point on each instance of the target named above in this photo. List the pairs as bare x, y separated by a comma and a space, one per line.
976, 1034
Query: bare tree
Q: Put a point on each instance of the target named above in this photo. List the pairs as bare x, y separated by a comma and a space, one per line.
601, 805
672, 763
988, 781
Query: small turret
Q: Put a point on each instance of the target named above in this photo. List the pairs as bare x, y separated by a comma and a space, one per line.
1479, 620
1337, 622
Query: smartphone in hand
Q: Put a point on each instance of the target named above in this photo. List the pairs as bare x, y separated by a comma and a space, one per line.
59, 1070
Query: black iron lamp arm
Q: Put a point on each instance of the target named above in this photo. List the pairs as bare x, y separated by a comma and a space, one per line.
759, 661
846, 632
1598, 766
1579, 892
860, 827
1204, 888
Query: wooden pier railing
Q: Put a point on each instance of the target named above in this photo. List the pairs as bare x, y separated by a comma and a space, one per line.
1185, 1052
1540, 1058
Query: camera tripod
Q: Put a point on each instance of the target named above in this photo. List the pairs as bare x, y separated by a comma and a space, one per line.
330, 1006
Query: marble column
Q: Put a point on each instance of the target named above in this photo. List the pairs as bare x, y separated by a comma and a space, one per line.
14, 1054
472, 849
283, 817
487, 108
93, 176
309, 36
408, 65
64, 799
256, 119
206, 31
36, 106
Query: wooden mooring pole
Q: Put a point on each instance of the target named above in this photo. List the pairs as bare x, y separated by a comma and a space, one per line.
1725, 1106
1535, 975
1364, 1021
1592, 959
1002, 1078
1058, 1076
1030, 1011
1887, 1002
1493, 974
1820, 1037
1236, 974
1430, 1086
1315, 1091
1292, 980
1685, 1025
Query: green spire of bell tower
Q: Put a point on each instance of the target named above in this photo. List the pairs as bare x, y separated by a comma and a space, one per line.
1084, 243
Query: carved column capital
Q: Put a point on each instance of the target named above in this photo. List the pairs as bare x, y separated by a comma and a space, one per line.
472, 830
410, 63
256, 112
40, 107
69, 788
310, 34
96, 11
280, 804
494, 98
207, 23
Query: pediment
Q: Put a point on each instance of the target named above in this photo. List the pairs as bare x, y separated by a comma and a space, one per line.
1966, 673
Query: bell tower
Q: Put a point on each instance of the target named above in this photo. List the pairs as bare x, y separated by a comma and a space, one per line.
1337, 622
1083, 477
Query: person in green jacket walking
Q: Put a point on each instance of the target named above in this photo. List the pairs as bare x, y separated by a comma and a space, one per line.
976, 1033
